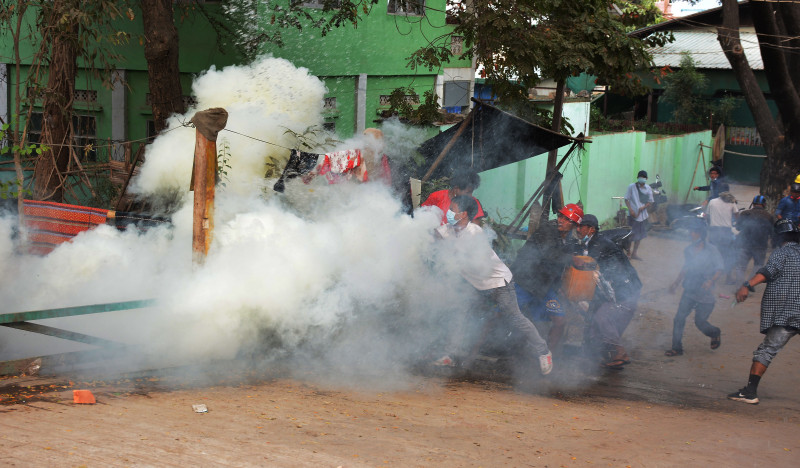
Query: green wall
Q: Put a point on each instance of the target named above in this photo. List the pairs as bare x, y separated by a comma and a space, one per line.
604, 170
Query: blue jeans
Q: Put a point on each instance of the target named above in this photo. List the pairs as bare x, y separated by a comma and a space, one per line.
701, 313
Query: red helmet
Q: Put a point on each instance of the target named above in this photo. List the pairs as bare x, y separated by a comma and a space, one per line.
573, 212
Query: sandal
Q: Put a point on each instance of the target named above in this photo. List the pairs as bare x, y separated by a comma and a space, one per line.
673, 352
616, 363
716, 341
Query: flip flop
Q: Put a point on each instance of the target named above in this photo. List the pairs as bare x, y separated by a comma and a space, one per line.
616, 363
716, 341
673, 352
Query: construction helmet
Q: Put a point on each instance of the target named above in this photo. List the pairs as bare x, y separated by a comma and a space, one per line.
759, 200
573, 212
785, 226
797, 179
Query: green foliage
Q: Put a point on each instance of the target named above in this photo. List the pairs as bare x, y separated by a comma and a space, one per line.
530, 111
519, 42
401, 105
683, 89
259, 21
312, 138
428, 112
223, 161
14, 188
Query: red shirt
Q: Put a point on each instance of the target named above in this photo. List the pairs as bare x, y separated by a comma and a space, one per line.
441, 199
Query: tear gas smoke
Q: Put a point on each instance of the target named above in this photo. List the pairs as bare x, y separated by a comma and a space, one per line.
335, 275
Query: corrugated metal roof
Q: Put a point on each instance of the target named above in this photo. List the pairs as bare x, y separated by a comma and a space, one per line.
705, 50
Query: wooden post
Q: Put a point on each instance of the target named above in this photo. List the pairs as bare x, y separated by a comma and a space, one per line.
209, 123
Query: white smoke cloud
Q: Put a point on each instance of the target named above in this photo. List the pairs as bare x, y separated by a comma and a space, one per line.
335, 274
263, 100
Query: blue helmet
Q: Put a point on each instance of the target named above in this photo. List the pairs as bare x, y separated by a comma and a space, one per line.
759, 200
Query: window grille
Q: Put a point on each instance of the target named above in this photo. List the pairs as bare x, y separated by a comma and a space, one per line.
457, 45
412, 99
329, 104
84, 134
407, 7
743, 136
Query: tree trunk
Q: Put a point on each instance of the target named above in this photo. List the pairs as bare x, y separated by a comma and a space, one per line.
780, 137
56, 119
161, 53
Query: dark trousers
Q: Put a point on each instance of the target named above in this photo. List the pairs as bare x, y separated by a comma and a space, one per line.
722, 239
701, 313
609, 322
744, 255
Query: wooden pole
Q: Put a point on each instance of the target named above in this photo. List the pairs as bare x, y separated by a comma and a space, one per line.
449, 145
204, 175
205, 171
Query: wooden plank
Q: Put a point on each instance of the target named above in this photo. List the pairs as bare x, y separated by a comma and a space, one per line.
71, 311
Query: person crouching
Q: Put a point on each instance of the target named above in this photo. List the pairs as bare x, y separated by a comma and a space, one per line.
612, 308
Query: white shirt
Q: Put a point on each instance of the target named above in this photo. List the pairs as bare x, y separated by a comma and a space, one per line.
477, 261
720, 213
632, 196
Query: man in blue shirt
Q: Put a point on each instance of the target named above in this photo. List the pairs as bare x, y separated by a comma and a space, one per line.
789, 207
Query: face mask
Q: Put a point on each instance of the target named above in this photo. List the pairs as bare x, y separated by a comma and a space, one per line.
451, 218
641, 180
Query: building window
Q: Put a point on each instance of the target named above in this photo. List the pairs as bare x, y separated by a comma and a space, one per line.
329, 104
84, 134
457, 45
151, 130
413, 99
78, 95
407, 7
188, 101
329, 127
456, 94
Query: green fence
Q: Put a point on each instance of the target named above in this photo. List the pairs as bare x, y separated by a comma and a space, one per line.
604, 170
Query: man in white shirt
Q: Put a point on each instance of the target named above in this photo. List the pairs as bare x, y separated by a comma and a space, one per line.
490, 276
722, 213
638, 198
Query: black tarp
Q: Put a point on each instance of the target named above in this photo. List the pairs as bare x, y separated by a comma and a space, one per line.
492, 138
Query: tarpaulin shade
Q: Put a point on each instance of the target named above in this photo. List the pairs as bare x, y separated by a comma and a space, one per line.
491, 138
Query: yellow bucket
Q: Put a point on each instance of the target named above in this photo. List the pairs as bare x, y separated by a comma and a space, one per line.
578, 282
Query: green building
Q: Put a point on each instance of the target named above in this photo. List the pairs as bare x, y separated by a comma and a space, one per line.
360, 67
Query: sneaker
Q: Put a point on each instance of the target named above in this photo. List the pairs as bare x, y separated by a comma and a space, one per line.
546, 363
744, 395
444, 361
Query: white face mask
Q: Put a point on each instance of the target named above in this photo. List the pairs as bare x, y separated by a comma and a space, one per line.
641, 180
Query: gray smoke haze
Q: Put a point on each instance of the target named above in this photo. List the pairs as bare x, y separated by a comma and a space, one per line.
332, 276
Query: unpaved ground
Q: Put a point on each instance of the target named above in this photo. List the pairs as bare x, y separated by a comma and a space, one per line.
659, 411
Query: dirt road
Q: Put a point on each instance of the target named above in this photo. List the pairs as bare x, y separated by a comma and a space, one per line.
659, 411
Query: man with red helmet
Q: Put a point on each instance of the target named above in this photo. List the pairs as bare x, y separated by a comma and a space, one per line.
538, 268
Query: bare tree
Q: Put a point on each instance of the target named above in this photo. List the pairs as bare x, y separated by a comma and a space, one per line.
161, 53
777, 25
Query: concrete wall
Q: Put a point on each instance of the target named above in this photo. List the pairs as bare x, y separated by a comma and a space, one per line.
604, 170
